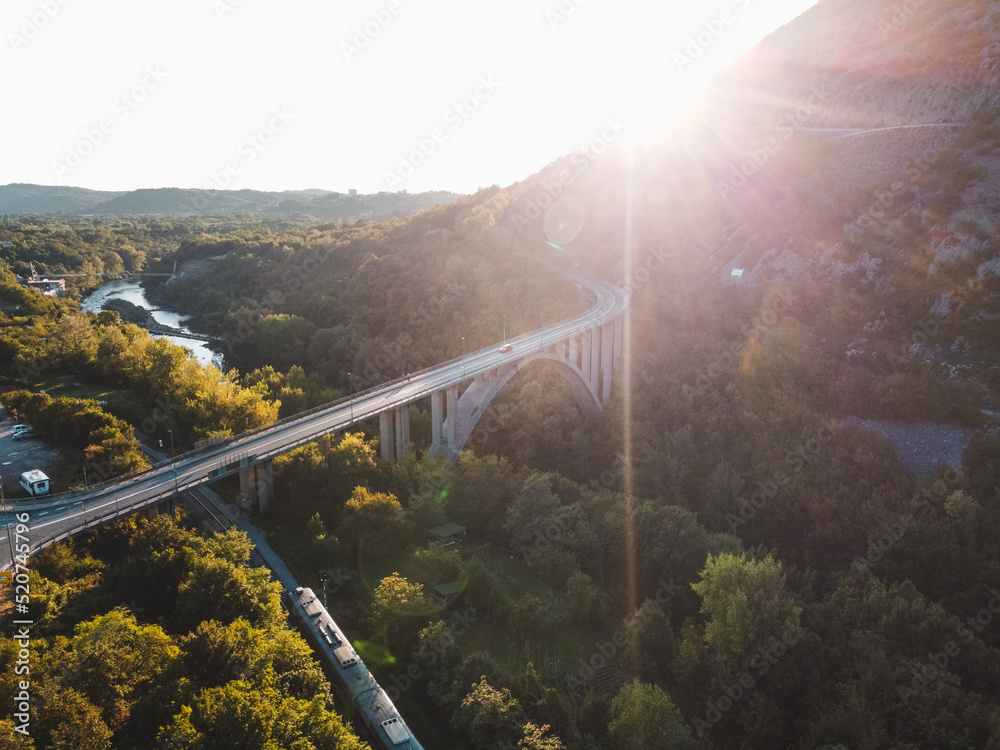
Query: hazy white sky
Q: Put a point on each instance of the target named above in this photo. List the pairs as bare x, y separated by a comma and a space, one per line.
376, 95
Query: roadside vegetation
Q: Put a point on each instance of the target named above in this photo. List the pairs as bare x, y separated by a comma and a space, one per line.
149, 634
719, 559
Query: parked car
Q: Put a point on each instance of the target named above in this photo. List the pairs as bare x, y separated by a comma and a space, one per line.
19, 428
27, 434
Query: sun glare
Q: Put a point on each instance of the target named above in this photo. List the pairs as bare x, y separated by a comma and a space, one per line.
376, 100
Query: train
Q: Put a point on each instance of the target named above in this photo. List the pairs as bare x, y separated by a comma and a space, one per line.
384, 723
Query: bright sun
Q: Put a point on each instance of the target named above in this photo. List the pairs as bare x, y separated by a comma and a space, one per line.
562, 70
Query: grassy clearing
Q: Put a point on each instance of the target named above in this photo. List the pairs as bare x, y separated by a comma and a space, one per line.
68, 386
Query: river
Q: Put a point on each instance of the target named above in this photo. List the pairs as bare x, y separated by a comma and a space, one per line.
130, 291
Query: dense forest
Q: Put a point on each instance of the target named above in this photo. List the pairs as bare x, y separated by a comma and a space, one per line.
721, 559
148, 634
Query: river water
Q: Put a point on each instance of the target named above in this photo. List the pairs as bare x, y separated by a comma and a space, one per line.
130, 291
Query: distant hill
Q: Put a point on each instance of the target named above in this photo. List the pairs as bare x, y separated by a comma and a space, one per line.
320, 204
44, 199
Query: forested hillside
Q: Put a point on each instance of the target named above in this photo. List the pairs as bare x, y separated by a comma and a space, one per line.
722, 559
377, 300
148, 634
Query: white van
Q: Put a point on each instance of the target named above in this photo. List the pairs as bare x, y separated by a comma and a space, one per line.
35, 482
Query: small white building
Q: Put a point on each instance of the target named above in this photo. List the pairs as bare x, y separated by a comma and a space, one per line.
35, 482
48, 287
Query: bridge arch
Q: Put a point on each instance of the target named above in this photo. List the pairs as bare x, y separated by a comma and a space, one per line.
584, 360
481, 392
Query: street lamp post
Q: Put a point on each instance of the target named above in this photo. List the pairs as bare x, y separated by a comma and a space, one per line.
350, 378
463, 356
171, 433
541, 336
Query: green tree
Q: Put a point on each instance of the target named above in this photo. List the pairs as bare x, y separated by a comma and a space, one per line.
397, 602
70, 722
232, 717
351, 463
643, 717
488, 716
10, 739
649, 643
375, 520
113, 661
582, 599
750, 609
217, 589
231, 545
538, 738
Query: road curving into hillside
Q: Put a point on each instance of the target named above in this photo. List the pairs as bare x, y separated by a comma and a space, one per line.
55, 517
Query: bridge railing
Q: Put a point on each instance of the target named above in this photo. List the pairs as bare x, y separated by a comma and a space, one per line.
599, 318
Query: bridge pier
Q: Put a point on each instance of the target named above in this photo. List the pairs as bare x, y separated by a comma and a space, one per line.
607, 361
394, 433
437, 417
443, 422
257, 486
385, 436
452, 421
402, 431
590, 354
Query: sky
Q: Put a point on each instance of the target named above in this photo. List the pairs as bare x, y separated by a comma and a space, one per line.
385, 95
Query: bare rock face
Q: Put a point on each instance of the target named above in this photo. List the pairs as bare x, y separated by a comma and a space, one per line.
955, 248
919, 445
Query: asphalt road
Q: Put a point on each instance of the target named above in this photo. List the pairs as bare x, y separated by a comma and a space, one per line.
55, 517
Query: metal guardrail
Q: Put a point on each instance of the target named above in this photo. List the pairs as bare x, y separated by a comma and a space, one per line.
603, 312
599, 318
